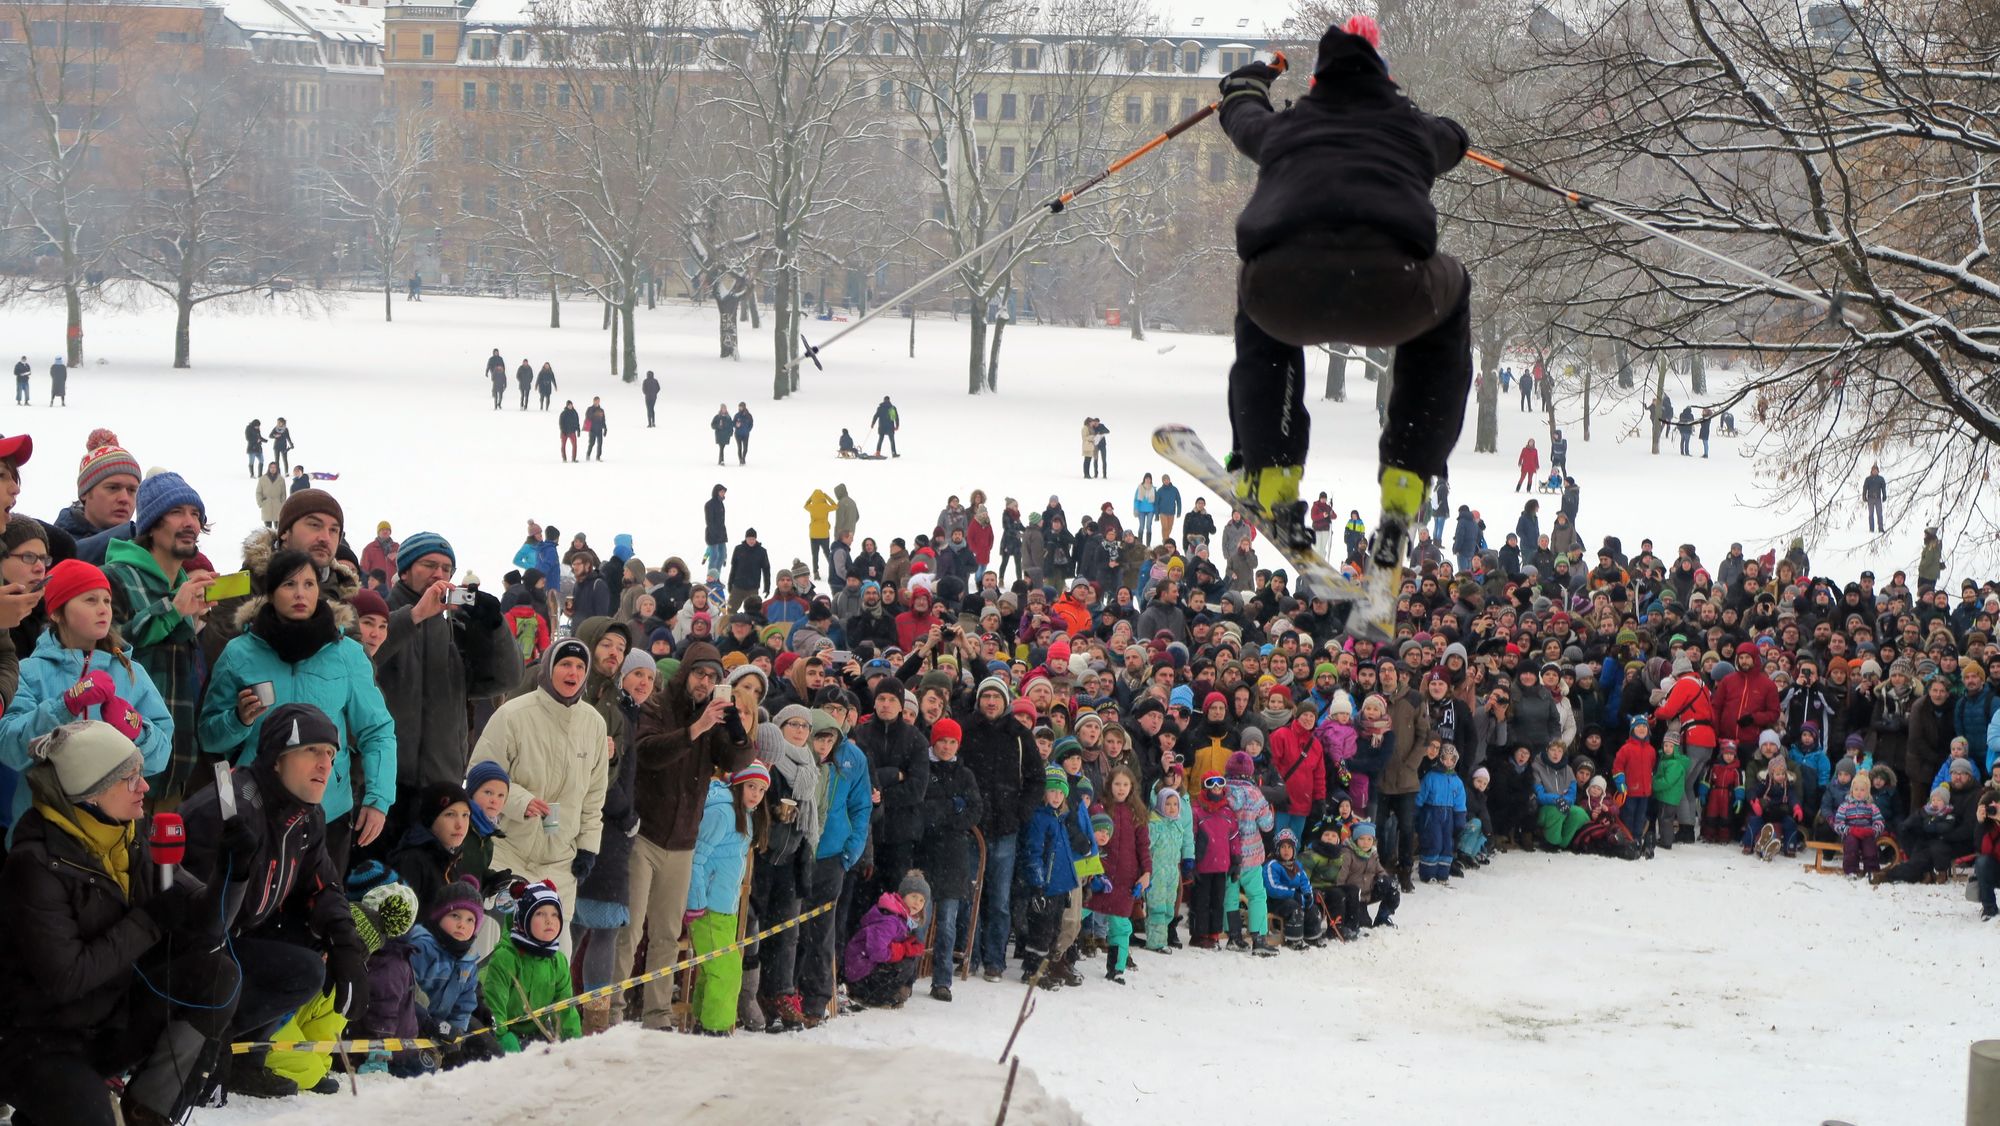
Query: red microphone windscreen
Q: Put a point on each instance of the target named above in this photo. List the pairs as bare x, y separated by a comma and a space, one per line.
169, 840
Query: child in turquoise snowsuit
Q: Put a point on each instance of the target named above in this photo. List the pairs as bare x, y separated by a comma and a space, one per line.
1254, 818
1172, 829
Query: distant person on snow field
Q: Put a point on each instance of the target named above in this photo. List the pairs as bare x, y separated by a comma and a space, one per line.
724, 429
545, 383
651, 389
300, 481
1874, 492
569, 424
58, 381
886, 422
1358, 266
742, 422
1530, 463
496, 370
524, 379
22, 370
253, 444
593, 421
281, 444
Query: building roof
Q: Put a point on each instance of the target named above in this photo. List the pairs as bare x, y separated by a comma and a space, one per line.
343, 23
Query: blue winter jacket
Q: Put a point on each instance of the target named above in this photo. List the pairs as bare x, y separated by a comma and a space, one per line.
37, 707
849, 805
1280, 884
338, 680
1167, 500
450, 985
1044, 859
1973, 717
719, 854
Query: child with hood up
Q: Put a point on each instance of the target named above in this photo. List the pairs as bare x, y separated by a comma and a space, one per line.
1959, 749
1512, 799
1473, 846
1811, 767
1832, 798
1632, 768
1663, 813
1721, 795
1171, 830
1254, 818
1046, 871
1215, 861
1290, 893
530, 971
1363, 880
1338, 740
1860, 824
1774, 801
1440, 818
882, 955
1323, 859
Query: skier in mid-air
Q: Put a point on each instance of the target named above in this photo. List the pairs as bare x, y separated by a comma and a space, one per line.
1339, 245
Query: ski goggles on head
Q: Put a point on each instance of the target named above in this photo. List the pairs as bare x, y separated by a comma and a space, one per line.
1214, 782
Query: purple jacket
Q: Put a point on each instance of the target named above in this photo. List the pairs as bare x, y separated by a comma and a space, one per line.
392, 992
884, 924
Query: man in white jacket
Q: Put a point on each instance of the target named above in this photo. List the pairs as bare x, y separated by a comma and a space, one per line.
555, 756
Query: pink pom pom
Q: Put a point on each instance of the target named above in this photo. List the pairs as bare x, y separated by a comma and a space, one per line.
1366, 28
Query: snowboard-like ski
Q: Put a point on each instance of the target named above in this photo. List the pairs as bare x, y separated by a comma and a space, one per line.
1371, 602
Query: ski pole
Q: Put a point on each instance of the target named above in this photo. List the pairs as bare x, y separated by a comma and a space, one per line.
1054, 206
1832, 305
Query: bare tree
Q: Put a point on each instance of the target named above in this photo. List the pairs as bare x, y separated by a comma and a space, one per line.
803, 109
71, 85
200, 229
612, 127
372, 177
944, 56
537, 238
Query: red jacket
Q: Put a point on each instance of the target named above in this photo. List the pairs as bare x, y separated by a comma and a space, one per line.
1989, 841
912, 626
1531, 459
1688, 702
1636, 760
1745, 704
1126, 858
1307, 783
979, 537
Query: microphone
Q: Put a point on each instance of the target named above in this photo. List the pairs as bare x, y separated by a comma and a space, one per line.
168, 845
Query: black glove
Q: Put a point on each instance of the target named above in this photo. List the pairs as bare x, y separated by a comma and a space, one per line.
496, 881
480, 1048
484, 611
347, 970
171, 909
239, 848
580, 867
1249, 81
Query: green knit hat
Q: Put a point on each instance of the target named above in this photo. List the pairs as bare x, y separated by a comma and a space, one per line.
1053, 778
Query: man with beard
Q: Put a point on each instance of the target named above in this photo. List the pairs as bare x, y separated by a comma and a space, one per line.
1001, 754
160, 608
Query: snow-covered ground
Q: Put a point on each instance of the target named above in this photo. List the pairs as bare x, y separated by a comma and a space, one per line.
1701, 988
402, 411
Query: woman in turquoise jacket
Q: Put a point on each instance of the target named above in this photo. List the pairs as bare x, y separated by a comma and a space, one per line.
80, 670
292, 639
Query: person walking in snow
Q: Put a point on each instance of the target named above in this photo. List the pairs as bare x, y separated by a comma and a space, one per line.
1874, 492
253, 444
651, 389
58, 382
524, 379
1530, 463
742, 423
724, 428
545, 383
22, 370
282, 445
569, 425
496, 373
593, 421
886, 421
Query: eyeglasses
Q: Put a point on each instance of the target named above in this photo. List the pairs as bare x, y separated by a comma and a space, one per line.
31, 558
796, 723
135, 780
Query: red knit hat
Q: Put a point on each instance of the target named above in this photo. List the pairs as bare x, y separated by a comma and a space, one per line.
70, 578
104, 459
946, 728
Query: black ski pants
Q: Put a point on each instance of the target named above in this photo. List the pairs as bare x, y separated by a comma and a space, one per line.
1359, 287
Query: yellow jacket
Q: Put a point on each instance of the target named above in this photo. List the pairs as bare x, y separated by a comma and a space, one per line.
820, 507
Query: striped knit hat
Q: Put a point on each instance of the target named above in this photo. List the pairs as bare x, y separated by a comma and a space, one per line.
417, 546
104, 459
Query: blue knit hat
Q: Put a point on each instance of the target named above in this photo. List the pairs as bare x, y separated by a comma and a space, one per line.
1182, 697
417, 546
162, 493
480, 774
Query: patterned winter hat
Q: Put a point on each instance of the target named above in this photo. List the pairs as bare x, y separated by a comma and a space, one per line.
395, 905
528, 899
104, 459
460, 895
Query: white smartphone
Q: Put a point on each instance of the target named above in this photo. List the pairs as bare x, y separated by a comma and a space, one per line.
225, 791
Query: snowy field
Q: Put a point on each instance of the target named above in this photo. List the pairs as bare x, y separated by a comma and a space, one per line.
402, 411
1701, 988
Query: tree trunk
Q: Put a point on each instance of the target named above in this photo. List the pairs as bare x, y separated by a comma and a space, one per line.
1135, 315
183, 315
555, 304
72, 302
1549, 405
1698, 374
1486, 430
791, 349
993, 359
388, 300
1659, 396
725, 308
1336, 374
604, 317
611, 316
631, 338
1624, 367
913, 330
1588, 371
781, 312
751, 304
976, 359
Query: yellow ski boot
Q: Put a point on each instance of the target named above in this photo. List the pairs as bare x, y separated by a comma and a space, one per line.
1402, 497
1271, 495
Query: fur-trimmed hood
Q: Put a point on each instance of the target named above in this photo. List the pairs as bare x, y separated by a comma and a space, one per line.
340, 583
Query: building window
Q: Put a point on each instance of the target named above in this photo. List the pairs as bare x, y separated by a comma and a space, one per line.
597, 98
886, 93
492, 95
1218, 166
1187, 107
517, 47
469, 96
1134, 111
1038, 107
465, 199
562, 96
483, 47
979, 107
429, 48
468, 149
1008, 107
888, 46
541, 95
1007, 159
514, 99
1027, 57
492, 200
426, 92
1159, 109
